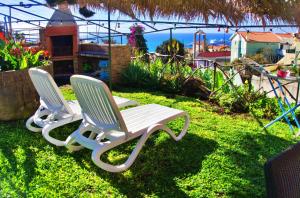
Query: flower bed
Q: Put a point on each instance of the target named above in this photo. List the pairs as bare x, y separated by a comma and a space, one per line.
18, 98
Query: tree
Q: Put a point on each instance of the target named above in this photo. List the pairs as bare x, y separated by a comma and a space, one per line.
174, 48
266, 55
136, 39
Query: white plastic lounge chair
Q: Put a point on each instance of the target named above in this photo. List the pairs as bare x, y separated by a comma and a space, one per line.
54, 110
112, 127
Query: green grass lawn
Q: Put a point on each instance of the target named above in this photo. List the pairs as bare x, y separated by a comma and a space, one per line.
221, 156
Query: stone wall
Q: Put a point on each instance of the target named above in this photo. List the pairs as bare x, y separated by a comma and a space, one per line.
93, 53
121, 56
18, 97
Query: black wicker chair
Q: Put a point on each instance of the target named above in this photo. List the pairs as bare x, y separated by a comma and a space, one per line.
283, 174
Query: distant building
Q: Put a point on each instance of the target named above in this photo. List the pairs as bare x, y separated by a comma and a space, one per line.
286, 42
213, 53
291, 55
218, 48
198, 47
207, 58
249, 43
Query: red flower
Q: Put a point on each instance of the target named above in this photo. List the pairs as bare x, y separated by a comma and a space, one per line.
2, 37
46, 53
16, 52
33, 50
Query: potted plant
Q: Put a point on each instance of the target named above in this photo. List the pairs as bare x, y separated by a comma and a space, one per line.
283, 72
18, 98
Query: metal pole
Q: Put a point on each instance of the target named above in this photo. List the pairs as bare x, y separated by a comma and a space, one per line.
195, 45
20, 20
199, 38
5, 26
171, 48
109, 46
9, 21
215, 75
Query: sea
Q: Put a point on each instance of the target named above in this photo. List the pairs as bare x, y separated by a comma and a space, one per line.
155, 39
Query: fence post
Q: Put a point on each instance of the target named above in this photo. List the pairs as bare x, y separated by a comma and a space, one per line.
215, 72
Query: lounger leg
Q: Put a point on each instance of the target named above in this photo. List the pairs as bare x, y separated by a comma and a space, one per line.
96, 154
52, 125
71, 140
29, 126
36, 119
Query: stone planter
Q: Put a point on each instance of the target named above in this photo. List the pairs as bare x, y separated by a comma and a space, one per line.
18, 97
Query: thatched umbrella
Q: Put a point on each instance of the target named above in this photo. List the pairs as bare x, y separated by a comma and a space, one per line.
232, 11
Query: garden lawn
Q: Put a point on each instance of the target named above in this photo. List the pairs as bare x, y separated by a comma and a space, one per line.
221, 156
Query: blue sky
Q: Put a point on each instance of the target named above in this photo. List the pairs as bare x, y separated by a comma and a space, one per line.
124, 27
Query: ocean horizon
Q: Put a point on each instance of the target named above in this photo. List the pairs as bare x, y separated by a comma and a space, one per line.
155, 39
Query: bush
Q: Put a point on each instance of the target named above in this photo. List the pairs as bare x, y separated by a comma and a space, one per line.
87, 67
259, 58
265, 56
170, 83
136, 39
167, 77
235, 100
241, 100
15, 56
136, 75
265, 107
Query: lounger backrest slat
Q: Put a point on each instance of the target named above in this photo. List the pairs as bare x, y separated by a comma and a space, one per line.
48, 90
97, 103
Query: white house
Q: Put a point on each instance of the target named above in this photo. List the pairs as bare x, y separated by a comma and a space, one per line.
249, 43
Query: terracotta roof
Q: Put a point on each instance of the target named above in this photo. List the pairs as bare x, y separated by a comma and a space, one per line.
285, 35
218, 47
268, 37
214, 54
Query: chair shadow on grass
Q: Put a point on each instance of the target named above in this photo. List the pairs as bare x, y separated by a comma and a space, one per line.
254, 150
8, 149
157, 167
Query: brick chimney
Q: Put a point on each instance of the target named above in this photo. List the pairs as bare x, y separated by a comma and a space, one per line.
61, 40
63, 6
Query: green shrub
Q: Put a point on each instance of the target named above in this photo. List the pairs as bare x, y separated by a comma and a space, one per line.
14, 55
236, 100
156, 71
135, 75
259, 58
167, 77
208, 77
170, 78
170, 83
232, 101
87, 67
241, 100
265, 107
